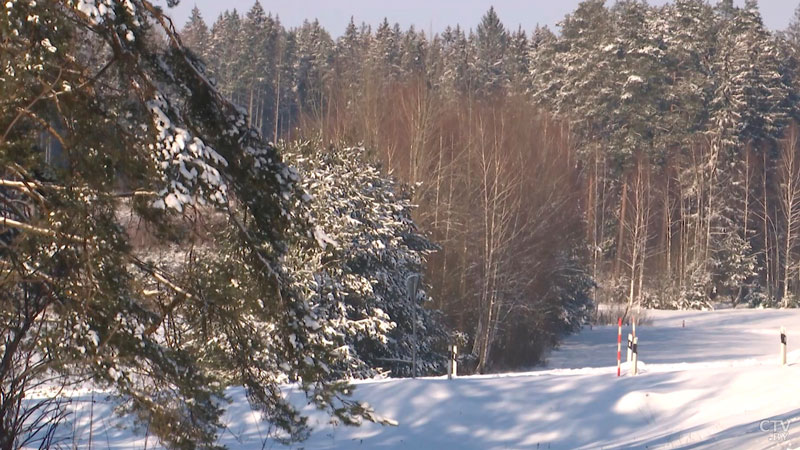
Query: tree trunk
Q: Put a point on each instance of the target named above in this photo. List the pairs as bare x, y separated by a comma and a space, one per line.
621, 235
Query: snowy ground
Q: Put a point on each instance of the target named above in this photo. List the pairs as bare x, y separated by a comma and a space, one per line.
714, 384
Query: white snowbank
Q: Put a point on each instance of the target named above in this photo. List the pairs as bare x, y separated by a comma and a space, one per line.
714, 384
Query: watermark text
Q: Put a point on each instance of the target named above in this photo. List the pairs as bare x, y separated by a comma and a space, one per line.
778, 429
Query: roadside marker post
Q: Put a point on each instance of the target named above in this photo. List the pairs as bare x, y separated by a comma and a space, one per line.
452, 373
783, 346
635, 356
619, 348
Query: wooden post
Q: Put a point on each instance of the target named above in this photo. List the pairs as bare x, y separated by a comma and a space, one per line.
635, 355
783, 346
619, 347
453, 372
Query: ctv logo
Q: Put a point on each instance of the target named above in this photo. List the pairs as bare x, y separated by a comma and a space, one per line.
778, 429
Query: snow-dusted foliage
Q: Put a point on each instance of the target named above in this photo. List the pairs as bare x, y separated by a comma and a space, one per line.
368, 246
699, 94
102, 103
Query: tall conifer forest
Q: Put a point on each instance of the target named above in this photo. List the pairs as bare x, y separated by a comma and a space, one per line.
190, 207
642, 155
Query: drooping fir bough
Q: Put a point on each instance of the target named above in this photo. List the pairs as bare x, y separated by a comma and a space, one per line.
110, 130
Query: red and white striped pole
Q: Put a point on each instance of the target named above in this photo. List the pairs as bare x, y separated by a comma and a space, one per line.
619, 347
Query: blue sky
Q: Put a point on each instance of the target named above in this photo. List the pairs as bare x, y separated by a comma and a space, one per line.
427, 14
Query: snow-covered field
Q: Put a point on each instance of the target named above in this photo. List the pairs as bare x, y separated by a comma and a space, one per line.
714, 384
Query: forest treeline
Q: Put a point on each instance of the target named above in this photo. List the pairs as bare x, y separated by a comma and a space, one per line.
643, 154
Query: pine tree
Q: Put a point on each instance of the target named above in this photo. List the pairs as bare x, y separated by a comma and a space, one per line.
640, 77
288, 108
572, 75
369, 247
457, 61
518, 62
414, 50
350, 53
385, 52
254, 56
222, 56
543, 69
146, 134
689, 35
313, 67
491, 44
749, 106
434, 65
195, 35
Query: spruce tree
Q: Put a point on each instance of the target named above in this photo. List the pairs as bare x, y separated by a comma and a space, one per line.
413, 51
313, 67
385, 52
195, 34
350, 54
491, 44
455, 62
369, 247
748, 107
222, 56
518, 62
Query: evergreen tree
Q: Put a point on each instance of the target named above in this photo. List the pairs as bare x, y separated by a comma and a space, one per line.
414, 50
285, 110
195, 35
455, 61
369, 249
543, 68
689, 35
313, 67
572, 75
385, 52
638, 82
350, 55
434, 66
491, 44
222, 55
749, 106
518, 62
141, 130
254, 56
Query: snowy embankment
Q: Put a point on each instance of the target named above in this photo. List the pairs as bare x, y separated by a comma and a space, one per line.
714, 384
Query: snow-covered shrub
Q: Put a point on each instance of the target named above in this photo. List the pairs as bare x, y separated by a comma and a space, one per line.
356, 278
756, 297
695, 293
